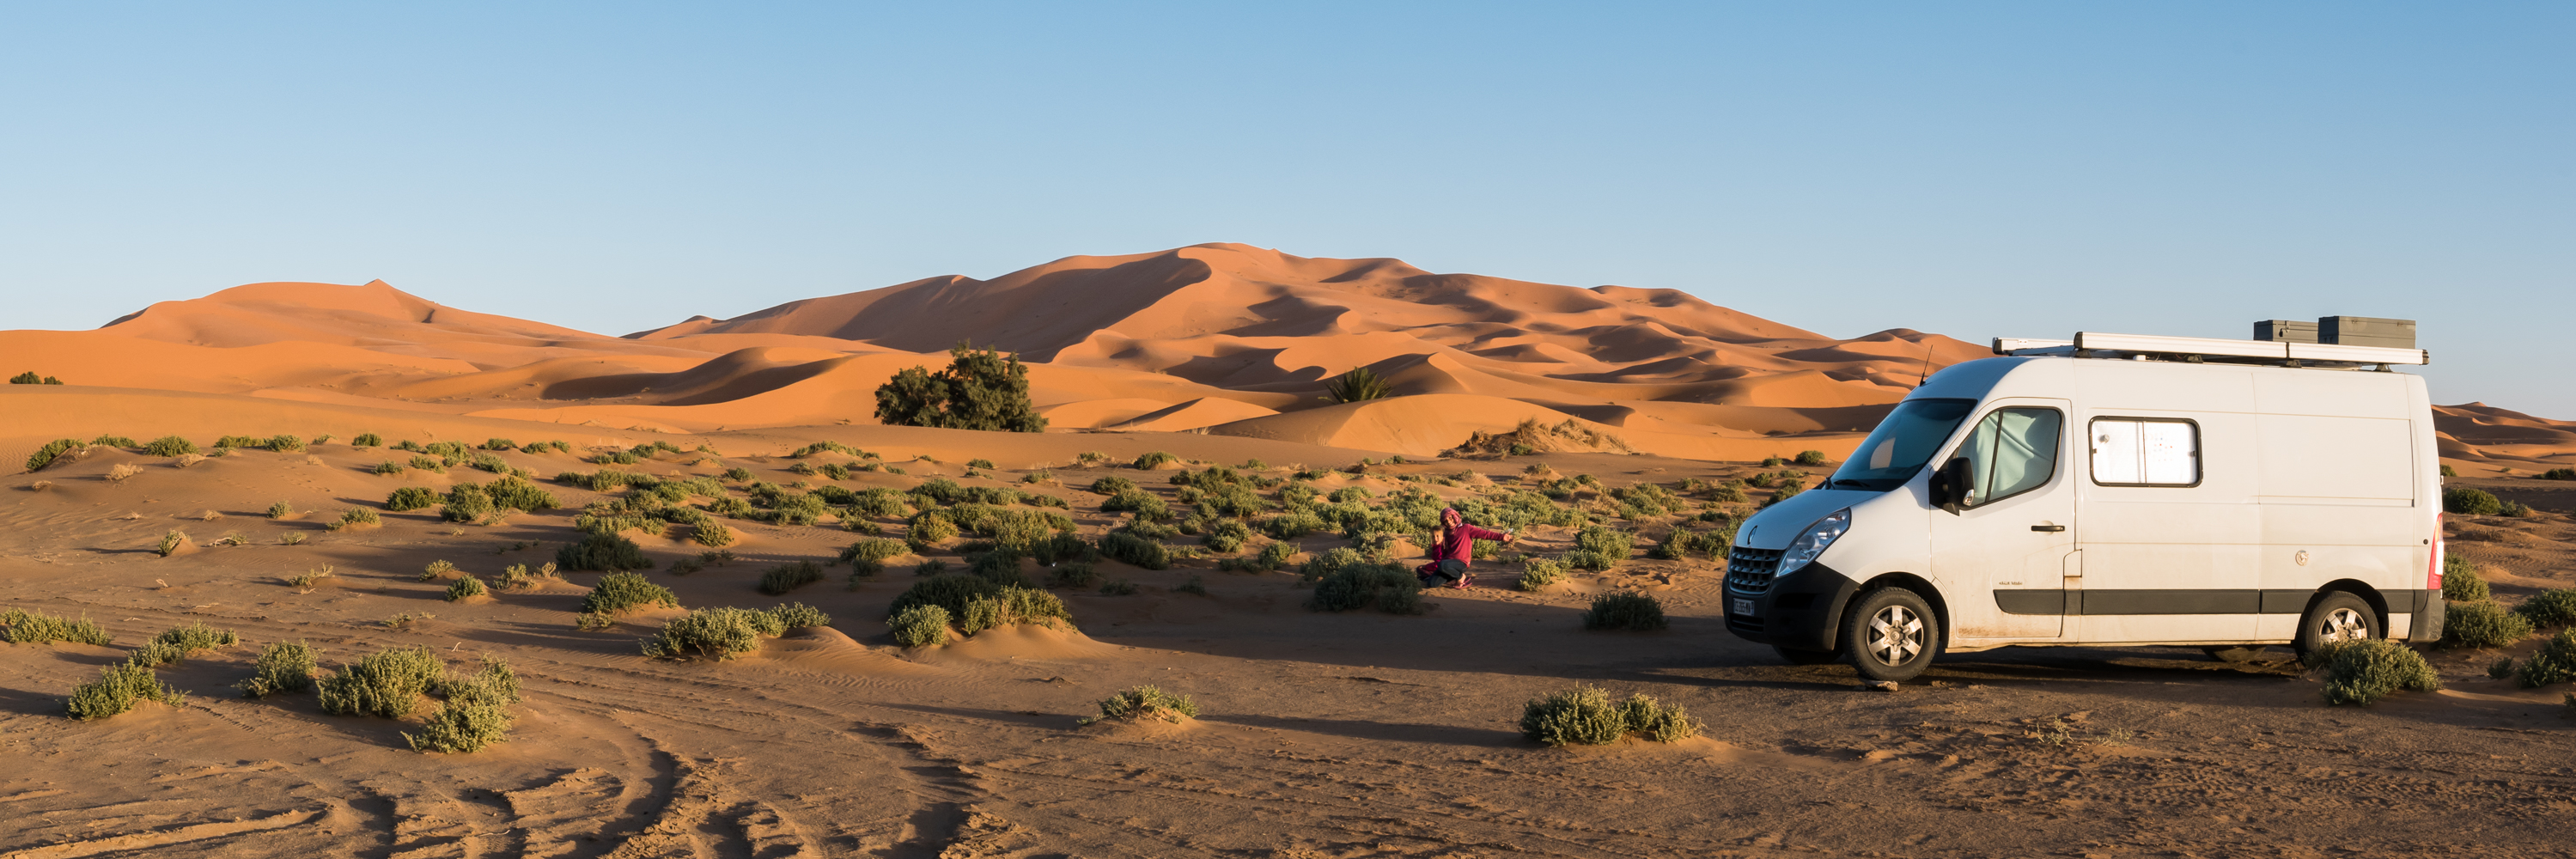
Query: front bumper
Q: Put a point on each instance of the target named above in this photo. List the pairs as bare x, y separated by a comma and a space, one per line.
1800, 611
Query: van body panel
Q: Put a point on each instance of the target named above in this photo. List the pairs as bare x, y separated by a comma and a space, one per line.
2201, 504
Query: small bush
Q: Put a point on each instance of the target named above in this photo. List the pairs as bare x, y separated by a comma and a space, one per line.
2362, 672
355, 517
1657, 722
1196, 585
1625, 611
286, 444
1538, 573
723, 633
1156, 459
874, 549
788, 577
2481, 624
437, 570
920, 626
2460, 580
929, 528
182, 642
1112, 485
171, 541
170, 445
1582, 716
1145, 702
280, 510
2470, 501
1811, 457
713, 533
602, 552
2554, 662
464, 588
618, 593
2559, 474
1118, 588
386, 683
410, 498
116, 690
26, 627
462, 727
45, 456
1353, 586
1136, 550
2553, 607
367, 439
1074, 575
2501, 668
1146, 505
286, 666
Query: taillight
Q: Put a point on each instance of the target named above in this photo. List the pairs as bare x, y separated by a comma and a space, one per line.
2433, 576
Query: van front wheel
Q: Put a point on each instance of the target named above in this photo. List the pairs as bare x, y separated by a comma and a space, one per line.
2338, 617
1891, 634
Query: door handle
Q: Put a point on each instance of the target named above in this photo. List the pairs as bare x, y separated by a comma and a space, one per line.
2050, 528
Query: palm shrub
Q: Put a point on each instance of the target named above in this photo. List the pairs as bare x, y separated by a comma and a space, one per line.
385, 683
116, 690
26, 627
2481, 624
286, 666
410, 498
922, 625
170, 445
1360, 383
2554, 662
980, 390
2362, 672
1145, 702
1585, 715
788, 577
1136, 550
1386, 587
618, 593
1624, 610
2460, 580
601, 552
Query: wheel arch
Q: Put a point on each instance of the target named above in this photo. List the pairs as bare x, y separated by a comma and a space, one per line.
1921, 587
2356, 587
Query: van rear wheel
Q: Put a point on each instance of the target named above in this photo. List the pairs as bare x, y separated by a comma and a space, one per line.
1891, 634
2339, 616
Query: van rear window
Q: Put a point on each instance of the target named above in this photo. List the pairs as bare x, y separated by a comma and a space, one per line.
2145, 452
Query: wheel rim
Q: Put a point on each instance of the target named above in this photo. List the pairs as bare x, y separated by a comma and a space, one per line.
1895, 635
2343, 624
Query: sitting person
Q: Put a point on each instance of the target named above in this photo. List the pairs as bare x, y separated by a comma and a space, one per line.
1453, 548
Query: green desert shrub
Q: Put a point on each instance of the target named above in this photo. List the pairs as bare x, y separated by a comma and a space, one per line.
718, 633
512, 492
790, 576
1118, 588
929, 528
1385, 587
286, 444
2471, 501
280, 510
171, 541
1073, 575
1625, 610
920, 626
387, 469
1196, 585
1156, 459
1586, 716
1112, 485
1683, 543
1599, 548
357, 516
116, 690
1359, 383
1136, 550
1145, 702
466, 502
981, 389
1656, 722
462, 726
45, 456
2554, 662
713, 533
182, 642
26, 627
1012, 605
2460, 580
1146, 505
602, 552
464, 588
878, 501
1537, 573
2559, 474
410, 498
170, 445
367, 439
2362, 672
2481, 624
2553, 607
286, 666
385, 683
618, 593
876, 549
1811, 457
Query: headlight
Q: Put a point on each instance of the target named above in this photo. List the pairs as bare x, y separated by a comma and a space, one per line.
1814, 540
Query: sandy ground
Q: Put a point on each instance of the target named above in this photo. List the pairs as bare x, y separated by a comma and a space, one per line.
1321, 735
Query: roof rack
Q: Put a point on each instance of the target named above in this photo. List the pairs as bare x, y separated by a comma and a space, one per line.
2195, 350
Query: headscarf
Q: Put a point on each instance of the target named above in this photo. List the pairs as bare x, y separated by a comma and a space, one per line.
1450, 519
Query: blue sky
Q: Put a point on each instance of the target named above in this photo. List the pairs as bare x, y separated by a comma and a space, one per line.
1982, 169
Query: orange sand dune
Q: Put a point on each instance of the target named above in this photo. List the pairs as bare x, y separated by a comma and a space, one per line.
1427, 424
2479, 439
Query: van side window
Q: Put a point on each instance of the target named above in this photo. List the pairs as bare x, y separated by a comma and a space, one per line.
2145, 452
2012, 451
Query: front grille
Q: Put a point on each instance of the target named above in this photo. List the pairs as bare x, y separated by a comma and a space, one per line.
1748, 571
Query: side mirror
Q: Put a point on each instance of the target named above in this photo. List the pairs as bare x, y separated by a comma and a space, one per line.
1950, 484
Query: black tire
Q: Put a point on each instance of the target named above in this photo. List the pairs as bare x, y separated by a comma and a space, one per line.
1795, 656
2242, 654
1891, 634
2338, 615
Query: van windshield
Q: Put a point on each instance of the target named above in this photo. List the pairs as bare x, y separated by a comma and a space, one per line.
1901, 444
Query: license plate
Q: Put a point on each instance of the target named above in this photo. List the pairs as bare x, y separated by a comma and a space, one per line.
1743, 608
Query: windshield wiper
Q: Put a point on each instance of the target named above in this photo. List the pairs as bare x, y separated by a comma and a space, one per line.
1860, 483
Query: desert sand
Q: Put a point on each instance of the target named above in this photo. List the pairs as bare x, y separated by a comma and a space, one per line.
1319, 734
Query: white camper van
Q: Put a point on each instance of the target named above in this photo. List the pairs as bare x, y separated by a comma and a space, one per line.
2110, 490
